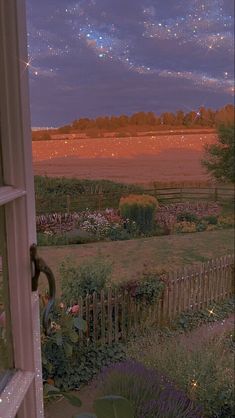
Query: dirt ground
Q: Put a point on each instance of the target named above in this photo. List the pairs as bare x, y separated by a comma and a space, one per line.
87, 395
162, 158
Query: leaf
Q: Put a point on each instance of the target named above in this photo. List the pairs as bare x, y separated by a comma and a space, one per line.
59, 339
68, 349
113, 407
73, 399
50, 390
80, 323
73, 336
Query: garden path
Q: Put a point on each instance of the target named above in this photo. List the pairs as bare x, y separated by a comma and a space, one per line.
205, 332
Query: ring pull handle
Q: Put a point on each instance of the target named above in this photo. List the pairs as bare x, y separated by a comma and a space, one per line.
40, 266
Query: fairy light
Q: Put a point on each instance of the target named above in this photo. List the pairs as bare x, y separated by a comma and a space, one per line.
211, 311
194, 383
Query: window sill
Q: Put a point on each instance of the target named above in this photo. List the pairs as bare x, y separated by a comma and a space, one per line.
14, 393
9, 193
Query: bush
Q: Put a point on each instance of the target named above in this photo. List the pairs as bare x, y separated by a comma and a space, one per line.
51, 193
187, 216
148, 289
185, 227
71, 372
201, 226
226, 221
140, 209
204, 373
77, 280
150, 393
211, 220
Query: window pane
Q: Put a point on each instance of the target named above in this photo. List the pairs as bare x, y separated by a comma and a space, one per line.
6, 358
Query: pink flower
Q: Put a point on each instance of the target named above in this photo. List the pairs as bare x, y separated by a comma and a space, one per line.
75, 309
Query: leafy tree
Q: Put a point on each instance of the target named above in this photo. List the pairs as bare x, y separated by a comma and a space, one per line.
220, 157
168, 118
179, 117
190, 118
225, 115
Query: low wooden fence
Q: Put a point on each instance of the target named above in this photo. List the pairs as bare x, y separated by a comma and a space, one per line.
113, 315
99, 201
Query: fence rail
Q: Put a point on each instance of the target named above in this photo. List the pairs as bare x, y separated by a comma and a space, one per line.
111, 316
99, 201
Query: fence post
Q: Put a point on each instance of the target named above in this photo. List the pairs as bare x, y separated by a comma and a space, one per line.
110, 317
68, 203
102, 319
94, 303
116, 316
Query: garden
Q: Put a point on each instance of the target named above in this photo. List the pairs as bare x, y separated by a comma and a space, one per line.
139, 318
100, 354
138, 216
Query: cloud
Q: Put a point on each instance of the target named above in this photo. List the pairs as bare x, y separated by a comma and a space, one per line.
106, 56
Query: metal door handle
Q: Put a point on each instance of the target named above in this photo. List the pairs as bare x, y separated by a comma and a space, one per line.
40, 266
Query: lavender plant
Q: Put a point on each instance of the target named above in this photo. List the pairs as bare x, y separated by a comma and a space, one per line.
151, 394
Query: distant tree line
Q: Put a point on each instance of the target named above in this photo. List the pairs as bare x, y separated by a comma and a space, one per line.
204, 117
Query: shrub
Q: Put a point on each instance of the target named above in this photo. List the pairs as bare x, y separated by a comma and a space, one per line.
185, 226
66, 361
211, 220
201, 226
92, 275
140, 209
205, 373
226, 221
148, 289
187, 216
71, 372
149, 392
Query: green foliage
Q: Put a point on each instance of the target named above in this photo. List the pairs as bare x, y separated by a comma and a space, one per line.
192, 319
220, 157
118, 234
148, 289
71, 370
50, 391
206, 372
51, 191
211, 220
105, 407
187, 216
44, 239
113, 407
90, 276
140, 209
201, 226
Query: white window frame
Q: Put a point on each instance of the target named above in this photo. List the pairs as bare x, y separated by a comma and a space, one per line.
23, 395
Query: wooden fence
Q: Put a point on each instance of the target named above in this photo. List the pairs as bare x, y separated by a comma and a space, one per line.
99, 201
113, 315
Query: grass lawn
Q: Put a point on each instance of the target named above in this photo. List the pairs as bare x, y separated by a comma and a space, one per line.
131, 257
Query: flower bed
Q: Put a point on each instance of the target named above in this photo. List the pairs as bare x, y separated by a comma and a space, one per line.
168, 215
93, 226
151, 393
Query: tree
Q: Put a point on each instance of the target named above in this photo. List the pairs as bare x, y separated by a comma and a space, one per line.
179, 117
220, 157
168, 118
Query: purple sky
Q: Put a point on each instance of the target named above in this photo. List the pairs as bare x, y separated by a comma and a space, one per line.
90, 58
